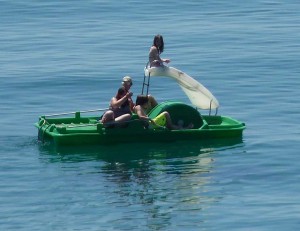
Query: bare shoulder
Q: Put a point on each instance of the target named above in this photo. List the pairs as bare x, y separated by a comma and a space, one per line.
113, 99
153, 49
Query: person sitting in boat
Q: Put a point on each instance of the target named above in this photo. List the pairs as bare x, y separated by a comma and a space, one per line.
147, 102
156, 49
119, 108
151, 102
122, 106
162, 120
127, 83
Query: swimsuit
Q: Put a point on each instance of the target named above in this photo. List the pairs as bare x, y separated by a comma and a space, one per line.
122, 110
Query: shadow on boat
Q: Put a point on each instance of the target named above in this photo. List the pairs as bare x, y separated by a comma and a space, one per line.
129, 151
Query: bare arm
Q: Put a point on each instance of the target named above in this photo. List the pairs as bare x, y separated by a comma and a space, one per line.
115, 103
140, 112
155, 57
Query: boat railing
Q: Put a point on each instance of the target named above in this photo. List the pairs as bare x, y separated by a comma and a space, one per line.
210, 110
106, 125
75, 112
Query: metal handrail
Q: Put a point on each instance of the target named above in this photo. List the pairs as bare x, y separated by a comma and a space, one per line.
210, 110
144, 82
68, 113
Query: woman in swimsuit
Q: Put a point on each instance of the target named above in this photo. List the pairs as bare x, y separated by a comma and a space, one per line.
156, 49
119, 107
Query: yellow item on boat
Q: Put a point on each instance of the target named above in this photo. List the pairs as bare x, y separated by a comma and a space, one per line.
160, 120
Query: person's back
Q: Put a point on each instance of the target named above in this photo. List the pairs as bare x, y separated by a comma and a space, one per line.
147, 102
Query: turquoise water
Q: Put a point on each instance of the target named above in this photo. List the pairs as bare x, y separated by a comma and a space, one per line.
58, 56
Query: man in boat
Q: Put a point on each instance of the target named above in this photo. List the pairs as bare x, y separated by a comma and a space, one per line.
120, 107
127, 83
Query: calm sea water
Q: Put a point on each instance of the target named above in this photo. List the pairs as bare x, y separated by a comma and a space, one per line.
60, 56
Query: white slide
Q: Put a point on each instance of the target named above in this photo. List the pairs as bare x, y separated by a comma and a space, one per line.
199, 96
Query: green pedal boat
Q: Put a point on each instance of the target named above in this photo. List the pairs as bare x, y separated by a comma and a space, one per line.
77, 128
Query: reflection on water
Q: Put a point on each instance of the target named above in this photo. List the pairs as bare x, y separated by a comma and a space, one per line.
157, 180
128, 161
130, 151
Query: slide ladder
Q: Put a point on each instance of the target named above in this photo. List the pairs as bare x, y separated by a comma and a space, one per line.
146, 81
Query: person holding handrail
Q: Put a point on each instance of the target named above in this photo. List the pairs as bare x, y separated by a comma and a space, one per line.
156, 49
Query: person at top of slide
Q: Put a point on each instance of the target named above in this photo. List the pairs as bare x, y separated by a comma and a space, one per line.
156, 49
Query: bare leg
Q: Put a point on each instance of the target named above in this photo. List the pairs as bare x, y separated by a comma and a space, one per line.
123, 118
108, 117
172, 126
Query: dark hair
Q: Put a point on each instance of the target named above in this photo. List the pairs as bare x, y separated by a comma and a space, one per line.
156, 39
141, 99
120, 92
